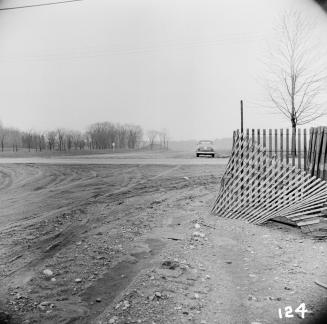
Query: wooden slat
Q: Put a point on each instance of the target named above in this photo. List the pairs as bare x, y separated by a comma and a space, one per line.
324, 176
287, 145
321, 166
308, 222
281, 145
317, 151
309, 149
258, 136
305, 150
293, 145
313, 151
299, 148
270, 142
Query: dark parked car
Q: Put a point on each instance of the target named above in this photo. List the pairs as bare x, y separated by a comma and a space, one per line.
205, 147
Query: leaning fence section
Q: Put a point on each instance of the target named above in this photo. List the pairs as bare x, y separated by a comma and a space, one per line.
266, 177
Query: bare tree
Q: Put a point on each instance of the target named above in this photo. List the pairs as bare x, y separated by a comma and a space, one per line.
152, 135
13, 138
134, 135
40, 140
61, 139
77, 139
163, 136
2, 136
27, 139
51, 139
295, 80
69, 137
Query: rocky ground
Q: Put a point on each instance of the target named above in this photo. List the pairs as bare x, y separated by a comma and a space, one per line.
137, 244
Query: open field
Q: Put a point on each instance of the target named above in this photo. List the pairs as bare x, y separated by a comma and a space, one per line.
118, 237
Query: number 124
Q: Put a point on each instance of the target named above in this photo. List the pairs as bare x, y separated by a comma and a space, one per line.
288, 313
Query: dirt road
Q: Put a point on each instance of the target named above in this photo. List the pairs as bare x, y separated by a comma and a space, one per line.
139, 158
134, 243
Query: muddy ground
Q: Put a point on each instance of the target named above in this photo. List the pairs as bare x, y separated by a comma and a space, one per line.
136, 244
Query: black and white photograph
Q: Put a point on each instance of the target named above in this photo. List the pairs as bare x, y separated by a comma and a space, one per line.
163, 161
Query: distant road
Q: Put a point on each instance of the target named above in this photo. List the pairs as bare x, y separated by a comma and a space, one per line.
162, 158
92, 159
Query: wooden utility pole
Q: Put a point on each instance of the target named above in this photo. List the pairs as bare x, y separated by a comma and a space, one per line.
242, 116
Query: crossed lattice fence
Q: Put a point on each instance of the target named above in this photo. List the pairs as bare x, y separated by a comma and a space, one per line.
258, 186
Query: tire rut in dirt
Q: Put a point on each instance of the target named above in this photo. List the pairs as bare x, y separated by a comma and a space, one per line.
44, 249
107, 288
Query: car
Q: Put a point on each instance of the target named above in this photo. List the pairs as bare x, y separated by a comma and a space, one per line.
205, 147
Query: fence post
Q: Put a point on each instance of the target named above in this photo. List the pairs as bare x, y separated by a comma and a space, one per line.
264, 138
281, 145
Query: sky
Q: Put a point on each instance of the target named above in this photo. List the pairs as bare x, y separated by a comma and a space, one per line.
179, 65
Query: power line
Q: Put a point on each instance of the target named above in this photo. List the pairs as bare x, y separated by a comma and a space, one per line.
93, 52
39, 5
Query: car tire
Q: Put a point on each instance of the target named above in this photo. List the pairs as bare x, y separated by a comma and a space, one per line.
197, 155
213, 155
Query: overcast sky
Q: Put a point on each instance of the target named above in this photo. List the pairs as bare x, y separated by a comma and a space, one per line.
182, 65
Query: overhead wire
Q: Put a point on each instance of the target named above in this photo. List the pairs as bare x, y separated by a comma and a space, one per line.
39, 5
93, 52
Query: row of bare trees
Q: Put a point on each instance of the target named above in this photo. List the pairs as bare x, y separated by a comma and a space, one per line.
60, 139
9, 135
108, 135
104, 135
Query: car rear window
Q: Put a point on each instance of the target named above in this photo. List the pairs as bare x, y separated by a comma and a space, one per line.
206, 142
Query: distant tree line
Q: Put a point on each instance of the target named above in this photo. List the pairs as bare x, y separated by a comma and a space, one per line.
103, 135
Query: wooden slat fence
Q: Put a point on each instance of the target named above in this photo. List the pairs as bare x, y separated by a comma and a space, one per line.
259, 184
278, 143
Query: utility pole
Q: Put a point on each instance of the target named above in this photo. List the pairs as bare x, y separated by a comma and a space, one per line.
241, 116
